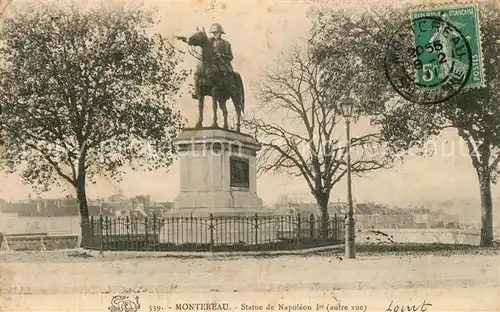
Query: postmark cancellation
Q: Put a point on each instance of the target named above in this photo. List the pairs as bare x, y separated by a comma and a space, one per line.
466, 19
436, 54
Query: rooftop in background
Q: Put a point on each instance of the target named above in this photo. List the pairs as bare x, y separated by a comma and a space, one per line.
359, 208
66, 207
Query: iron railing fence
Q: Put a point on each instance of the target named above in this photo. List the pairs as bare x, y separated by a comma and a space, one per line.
210, 233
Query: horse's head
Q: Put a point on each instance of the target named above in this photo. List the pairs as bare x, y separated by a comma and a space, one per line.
199, 38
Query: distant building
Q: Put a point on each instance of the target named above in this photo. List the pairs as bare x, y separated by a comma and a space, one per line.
68, 207
100, 210
306, 209
440, 219
366, 215
421, 220
26, 209
49, 208
3, 205
373, 216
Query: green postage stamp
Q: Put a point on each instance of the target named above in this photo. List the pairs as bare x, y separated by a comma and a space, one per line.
465, 20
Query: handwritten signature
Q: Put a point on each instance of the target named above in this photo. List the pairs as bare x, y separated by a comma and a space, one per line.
408, 308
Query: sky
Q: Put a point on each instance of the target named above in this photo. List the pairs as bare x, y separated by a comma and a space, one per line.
258, 30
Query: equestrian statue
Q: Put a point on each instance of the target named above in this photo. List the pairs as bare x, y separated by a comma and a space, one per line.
214, 75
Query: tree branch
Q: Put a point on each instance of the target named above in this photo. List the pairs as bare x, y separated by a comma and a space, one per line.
53, 164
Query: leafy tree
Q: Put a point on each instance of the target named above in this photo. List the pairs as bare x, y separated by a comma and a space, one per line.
86, 91
307, 142
473, 113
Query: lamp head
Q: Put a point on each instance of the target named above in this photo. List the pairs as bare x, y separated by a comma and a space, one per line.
347, 107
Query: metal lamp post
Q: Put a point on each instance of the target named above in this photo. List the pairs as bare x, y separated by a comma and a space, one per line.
350, 247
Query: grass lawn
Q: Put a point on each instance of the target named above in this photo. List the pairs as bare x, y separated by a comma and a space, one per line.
422, 248
362, 250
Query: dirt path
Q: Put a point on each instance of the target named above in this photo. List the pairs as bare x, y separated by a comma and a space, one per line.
285, 273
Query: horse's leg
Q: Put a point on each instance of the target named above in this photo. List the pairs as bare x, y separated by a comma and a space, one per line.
222, 105
238, 113
214, 107
201, 100
238, 117
236, 99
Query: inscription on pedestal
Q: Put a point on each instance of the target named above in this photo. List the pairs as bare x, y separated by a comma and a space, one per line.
217, 174
239, 170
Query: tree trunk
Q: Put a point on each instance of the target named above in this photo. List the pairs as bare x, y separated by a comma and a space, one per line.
481, 161
81, 196
486, 208
325, 218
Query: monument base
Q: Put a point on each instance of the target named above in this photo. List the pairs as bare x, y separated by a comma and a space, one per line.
219, 203
217, 175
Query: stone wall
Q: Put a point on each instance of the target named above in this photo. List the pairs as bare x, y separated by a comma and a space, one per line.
11, 224
38, 242
424, 236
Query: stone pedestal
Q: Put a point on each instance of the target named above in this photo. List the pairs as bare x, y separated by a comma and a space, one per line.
217, 174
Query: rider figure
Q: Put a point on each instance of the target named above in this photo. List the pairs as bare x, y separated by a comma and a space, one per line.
222, 49
223, 55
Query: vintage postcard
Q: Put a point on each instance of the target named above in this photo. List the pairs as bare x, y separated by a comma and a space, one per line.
257, 155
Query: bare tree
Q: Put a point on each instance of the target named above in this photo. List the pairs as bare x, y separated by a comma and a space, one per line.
297, 126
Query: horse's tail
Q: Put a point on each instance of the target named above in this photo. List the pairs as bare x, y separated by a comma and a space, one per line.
241, 88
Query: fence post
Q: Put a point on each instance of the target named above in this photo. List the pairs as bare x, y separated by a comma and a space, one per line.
116, 232
85, 229
107, 228
102, 233
334, 228
154, 231
91, 231
146, 239
311, 225
341, 229
331, 223
163, 226
319, 227
133, 231
82, 243
298, 227
256, 229
127, 228
211, 227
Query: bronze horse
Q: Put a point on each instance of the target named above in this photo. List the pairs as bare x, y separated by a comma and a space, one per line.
212, 83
